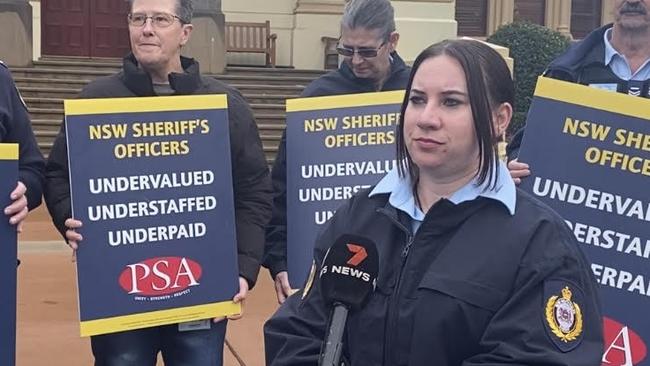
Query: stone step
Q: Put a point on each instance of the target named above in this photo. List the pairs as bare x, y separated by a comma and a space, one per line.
268, 71
259, 103
54, 73
295, 81
52, 91
35, 75
111, 65
51, 110
44, 82
114, 64
256, 94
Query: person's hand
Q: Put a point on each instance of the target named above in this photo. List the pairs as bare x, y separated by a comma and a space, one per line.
518, 170
282, 287
72, 236
239, 298
17, 210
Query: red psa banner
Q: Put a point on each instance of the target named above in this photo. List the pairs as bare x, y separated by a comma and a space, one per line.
623, 346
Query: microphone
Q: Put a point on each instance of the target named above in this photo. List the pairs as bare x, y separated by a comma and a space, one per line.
348, 278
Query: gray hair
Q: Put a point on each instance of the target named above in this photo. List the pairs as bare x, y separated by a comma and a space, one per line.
370, 15
184, 10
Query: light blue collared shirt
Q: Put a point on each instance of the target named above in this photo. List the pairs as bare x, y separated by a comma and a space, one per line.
619, 65
401, 193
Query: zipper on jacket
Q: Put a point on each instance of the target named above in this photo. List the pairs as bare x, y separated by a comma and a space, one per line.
407, 247
393, 306
392, 316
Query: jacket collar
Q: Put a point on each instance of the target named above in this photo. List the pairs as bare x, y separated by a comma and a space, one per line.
140, 83
397, 65
588, 51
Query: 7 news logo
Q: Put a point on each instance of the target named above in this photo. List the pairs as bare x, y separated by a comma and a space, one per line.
359, 254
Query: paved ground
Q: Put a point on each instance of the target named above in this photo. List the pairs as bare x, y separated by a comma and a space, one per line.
48, 330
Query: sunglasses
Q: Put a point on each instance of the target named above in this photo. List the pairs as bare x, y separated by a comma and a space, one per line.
160, 20
363, 52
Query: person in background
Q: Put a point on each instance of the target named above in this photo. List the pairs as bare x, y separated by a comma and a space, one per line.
472, 271
614, 57
370, 64
158, 30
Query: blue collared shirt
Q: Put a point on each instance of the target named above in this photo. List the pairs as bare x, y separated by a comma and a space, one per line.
401, 193
619, 65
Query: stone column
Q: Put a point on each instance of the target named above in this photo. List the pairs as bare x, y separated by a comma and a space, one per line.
607, 10
558, 16
207, 41
414, 16
16, 32
500, 12
314, 19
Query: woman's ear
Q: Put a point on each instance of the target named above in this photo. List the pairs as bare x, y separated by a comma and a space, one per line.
502, 117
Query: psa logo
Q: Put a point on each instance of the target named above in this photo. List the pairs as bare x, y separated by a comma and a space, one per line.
359, 254
623, 346
160, 276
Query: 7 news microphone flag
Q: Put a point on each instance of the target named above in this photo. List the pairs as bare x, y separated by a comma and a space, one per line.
348, 279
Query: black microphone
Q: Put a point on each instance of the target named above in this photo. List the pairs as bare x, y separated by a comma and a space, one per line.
348, 278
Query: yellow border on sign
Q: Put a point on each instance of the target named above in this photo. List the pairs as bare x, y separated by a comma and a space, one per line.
76, 107
8, 151
155, 318
582, 95
345, 101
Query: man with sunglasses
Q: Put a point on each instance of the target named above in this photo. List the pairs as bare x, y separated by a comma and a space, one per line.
370, 64
158, 30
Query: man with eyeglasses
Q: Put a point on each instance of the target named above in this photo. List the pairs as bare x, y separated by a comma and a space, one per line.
370, 64
615, 57
158, 30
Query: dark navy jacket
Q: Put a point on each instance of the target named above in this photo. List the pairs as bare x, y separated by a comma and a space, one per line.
475, 286
338, 82
15, 127
583, 63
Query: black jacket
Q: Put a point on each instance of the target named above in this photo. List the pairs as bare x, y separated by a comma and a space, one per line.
15, 127
472, 287
252, 188
582, 63
338, 82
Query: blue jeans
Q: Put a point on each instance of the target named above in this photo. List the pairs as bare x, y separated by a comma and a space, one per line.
140, 347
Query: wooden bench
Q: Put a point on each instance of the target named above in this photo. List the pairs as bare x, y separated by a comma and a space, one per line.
251, 38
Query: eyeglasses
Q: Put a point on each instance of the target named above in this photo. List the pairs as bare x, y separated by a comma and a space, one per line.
363, 52
160, 20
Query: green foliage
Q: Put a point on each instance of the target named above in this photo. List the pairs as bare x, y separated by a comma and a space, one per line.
533, 47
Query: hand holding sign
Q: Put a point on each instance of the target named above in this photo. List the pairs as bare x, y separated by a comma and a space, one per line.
518, 170
17, 210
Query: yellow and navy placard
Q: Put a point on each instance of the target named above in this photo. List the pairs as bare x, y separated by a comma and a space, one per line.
8, 181
336, 146
151, 180
589, 152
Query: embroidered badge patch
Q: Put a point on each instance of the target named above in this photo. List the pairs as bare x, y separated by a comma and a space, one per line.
563, 314
310, 280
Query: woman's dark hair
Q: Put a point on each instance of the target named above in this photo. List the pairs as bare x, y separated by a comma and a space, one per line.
489, 84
